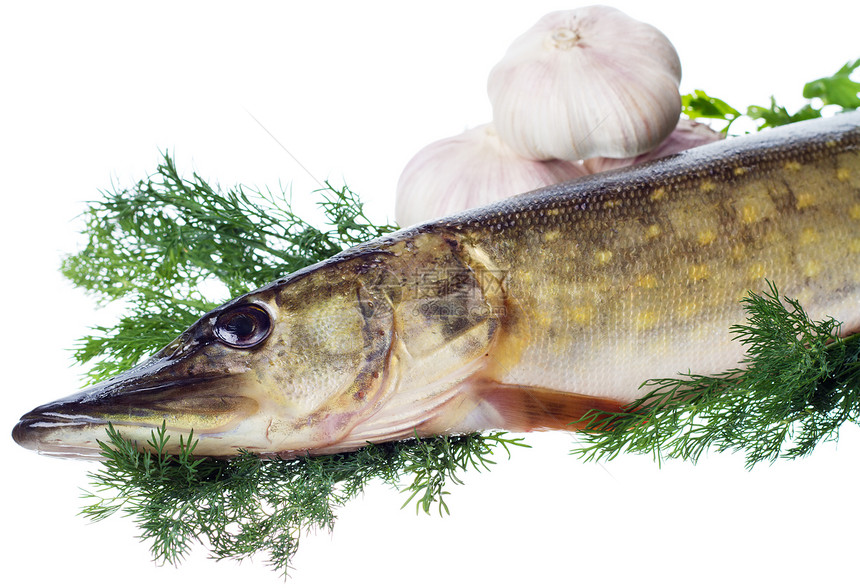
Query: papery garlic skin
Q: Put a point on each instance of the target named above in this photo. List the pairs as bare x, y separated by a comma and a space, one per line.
586, 83
469, 170
687, 134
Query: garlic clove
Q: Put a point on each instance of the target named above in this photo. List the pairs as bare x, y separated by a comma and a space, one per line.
469, 170
687, 134
586, 83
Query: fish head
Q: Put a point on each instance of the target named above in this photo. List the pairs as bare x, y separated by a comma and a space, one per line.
246, 375
331, 357
200, 382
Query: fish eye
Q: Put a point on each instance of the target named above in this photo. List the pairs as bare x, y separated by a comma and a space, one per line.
243, 326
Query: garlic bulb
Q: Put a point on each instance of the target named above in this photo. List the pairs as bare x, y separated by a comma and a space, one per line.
585, 83
687, 134
469, 170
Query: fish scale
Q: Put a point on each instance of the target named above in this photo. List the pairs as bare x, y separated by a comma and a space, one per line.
647, 275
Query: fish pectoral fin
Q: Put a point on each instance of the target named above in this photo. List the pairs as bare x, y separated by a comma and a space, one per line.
482, 403
533, 408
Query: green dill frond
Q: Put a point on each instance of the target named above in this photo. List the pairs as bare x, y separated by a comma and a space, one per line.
163, 244
247, 505
798, 385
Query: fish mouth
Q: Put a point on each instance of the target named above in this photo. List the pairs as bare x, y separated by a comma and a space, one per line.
135, 406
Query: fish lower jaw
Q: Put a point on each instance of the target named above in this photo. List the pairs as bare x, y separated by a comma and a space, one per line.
59, 438
79, 437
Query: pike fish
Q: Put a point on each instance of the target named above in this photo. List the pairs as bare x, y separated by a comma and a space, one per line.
519, 316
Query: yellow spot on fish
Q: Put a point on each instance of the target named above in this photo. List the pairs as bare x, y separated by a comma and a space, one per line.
612, 203
804, 200
603, 257
750, 213
808, 236
583, 314
645, 319
707, 186
854, 245
754, 205
792, 166
653, 231
843, 174
755, 271
855, 212
658, 194
551, 236
739, 171
811, 268
706, 237
738, 252
698, 271
688, 308
646, 281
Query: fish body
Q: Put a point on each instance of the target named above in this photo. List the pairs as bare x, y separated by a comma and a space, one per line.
521, 315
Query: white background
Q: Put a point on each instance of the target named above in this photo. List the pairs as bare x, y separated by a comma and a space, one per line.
89, 94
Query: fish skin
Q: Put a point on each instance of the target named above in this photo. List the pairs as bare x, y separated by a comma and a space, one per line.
520, 315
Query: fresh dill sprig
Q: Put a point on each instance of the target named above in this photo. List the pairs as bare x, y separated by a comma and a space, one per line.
797, 386
162, 244
246, 505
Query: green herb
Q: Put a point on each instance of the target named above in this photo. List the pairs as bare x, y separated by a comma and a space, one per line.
246, 505
776, 115
837, 90
160, 245
700, 105
797, 387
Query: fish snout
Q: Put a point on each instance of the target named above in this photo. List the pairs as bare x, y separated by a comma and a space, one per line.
136, 403
53, 429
